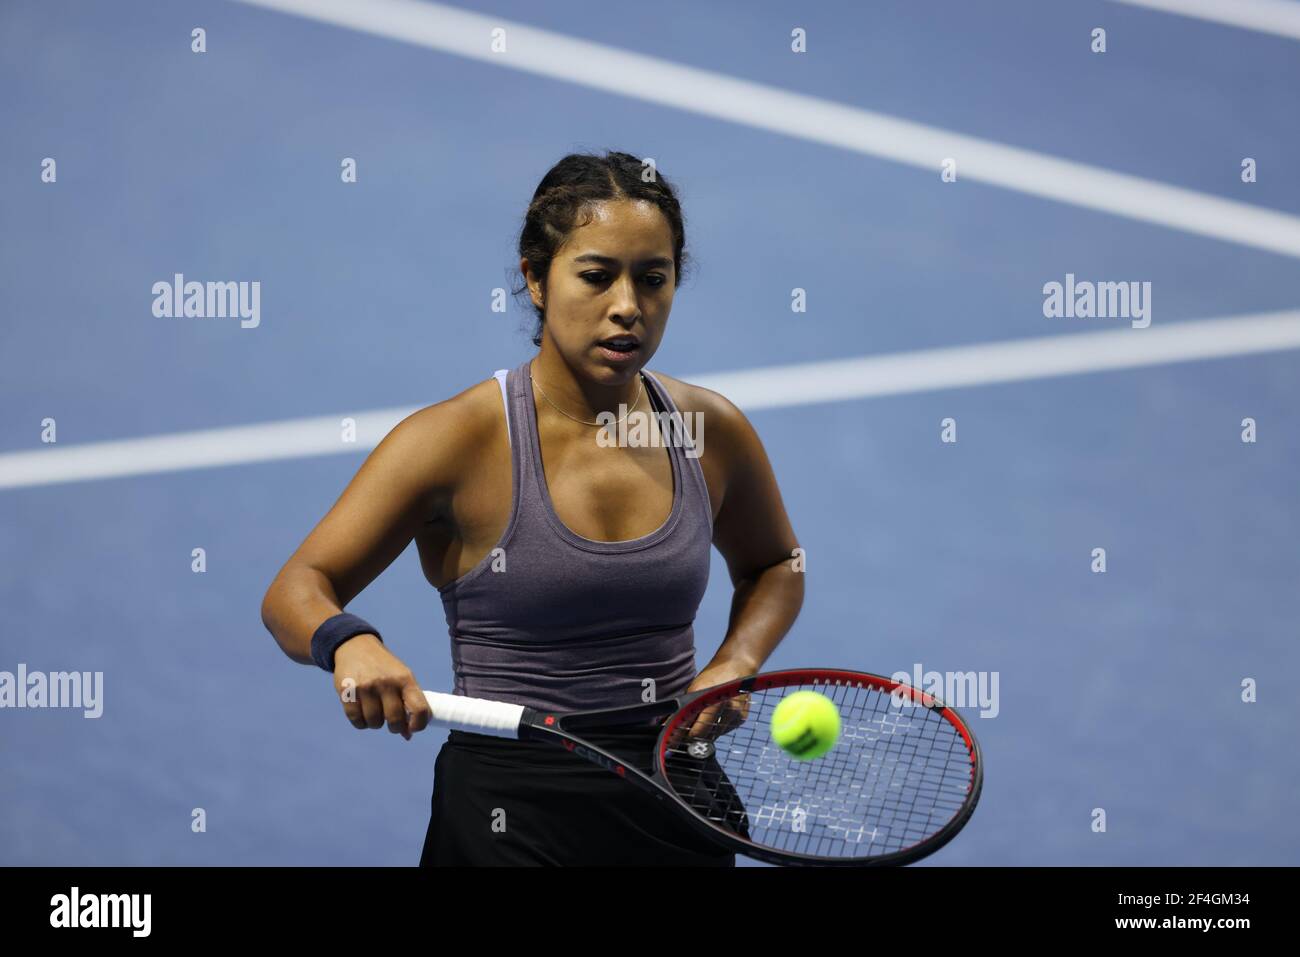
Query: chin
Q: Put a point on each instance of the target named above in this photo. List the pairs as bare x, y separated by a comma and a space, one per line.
616, 374
614, 371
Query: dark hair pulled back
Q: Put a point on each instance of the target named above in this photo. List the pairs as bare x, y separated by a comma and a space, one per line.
563, 200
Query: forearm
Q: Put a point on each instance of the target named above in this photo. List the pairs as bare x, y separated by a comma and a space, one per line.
297, 602
763, 609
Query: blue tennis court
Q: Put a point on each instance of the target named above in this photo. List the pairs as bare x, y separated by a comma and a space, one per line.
874, 221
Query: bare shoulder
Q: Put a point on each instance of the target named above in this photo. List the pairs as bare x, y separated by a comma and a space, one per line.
470, 414
441, 438
720, 415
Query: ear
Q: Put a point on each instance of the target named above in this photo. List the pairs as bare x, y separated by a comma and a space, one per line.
536, 287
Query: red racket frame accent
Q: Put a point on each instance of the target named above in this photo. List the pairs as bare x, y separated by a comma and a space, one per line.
690, 705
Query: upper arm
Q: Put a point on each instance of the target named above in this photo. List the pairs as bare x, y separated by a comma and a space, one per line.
752, 529
402, 483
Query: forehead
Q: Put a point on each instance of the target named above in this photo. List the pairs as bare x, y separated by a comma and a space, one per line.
631, 228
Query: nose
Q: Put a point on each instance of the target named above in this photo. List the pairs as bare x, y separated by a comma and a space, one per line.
626, 311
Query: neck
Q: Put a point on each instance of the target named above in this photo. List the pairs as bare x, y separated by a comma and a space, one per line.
579, 397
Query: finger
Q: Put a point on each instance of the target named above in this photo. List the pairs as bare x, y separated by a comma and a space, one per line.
373, 706
724, 718
733, 720
394, 710
418, 713
709, 725
703, 721
737, 713
352, 708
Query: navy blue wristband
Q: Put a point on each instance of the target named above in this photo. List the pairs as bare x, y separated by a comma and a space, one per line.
333, 632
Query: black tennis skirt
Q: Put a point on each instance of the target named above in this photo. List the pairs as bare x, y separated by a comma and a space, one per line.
505, 802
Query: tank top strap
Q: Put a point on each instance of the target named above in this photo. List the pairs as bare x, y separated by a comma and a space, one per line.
685, 437
501, 375
519, 405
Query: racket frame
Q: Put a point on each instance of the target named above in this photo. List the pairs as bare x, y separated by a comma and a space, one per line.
562, 729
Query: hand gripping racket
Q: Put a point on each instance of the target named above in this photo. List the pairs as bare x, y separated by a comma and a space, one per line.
901, 781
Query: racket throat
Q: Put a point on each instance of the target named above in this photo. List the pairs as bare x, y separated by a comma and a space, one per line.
646, 713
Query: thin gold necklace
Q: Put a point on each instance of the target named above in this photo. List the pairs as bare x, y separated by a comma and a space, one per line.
640, 393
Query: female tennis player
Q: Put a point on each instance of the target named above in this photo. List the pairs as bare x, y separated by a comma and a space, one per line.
568, 533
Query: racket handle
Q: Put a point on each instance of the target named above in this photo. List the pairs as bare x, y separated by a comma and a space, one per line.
479, 715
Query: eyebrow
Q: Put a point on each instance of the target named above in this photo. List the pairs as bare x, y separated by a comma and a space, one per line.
657, 261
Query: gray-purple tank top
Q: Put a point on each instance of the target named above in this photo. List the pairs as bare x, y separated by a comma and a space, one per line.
559, 622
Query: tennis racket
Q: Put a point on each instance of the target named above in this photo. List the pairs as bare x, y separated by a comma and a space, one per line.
900, 782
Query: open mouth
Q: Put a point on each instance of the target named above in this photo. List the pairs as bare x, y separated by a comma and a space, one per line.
620, 345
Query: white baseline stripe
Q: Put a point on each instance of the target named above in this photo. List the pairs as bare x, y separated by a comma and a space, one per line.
791, 385
1279, 17
239, 445
1043, 357
614, 70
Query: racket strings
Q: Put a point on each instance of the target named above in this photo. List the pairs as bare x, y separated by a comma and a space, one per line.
897, 775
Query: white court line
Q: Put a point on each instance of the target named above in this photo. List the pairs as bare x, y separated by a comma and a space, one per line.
1044, 357
1278, 17
615, 70
836, 380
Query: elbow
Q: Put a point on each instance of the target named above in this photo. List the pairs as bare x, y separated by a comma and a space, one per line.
268, 609
793, 572
273, 601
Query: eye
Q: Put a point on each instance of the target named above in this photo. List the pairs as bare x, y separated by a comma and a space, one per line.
599, 277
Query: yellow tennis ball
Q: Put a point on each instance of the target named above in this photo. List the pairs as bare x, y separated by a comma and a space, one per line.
806, 724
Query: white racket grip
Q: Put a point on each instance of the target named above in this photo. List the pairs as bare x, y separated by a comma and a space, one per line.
479, 715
